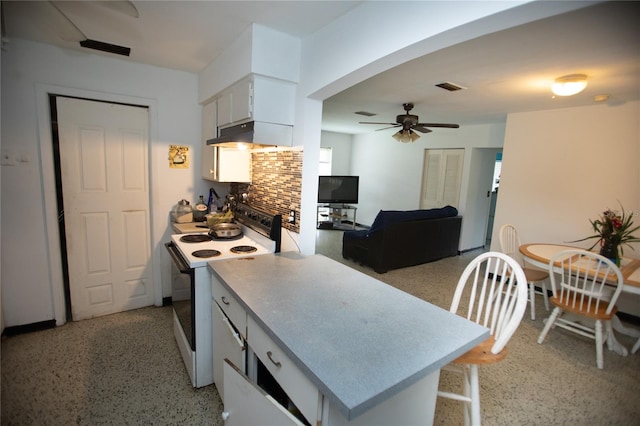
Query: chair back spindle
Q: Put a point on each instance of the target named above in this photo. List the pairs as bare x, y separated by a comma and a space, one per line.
583, 280
492, 292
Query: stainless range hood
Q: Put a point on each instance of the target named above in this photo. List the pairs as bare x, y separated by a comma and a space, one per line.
255, 133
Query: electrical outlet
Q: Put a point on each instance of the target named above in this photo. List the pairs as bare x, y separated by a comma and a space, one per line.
292, 217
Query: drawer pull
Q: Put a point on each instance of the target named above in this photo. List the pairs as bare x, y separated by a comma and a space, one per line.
224, 300
276, 363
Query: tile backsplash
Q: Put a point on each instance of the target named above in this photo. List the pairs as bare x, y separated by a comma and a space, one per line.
276, 183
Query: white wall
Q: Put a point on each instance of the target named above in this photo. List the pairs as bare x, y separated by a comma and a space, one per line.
31, 276
340, 145
361, 44
391, 173
562, 167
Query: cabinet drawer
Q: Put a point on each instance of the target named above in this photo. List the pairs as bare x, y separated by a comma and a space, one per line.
304, 394
230, 306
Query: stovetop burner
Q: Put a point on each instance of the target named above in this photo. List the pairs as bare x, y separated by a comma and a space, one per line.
206, 253
243, 249
195, 238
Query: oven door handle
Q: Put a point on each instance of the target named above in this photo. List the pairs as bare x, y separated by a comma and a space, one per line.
183, 267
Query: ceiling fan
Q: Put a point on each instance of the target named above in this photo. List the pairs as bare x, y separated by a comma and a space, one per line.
409, 123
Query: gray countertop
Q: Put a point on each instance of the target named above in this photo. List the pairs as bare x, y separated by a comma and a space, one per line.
359, 340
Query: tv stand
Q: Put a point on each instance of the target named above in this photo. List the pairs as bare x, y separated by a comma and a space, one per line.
336, 216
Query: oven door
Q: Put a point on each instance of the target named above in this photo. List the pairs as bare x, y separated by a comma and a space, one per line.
182, 290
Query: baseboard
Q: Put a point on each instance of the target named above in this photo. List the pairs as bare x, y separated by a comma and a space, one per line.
29, 328
470, 249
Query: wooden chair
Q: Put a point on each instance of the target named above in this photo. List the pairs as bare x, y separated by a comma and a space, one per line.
492, 291
580, 291
509, 244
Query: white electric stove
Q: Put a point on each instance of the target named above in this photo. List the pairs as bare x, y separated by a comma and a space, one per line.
191, 282
197, 253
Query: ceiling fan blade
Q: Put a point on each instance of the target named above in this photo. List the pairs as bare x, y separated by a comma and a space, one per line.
449, 126
385, 128
421, 129
122, 6
68, 30
374, 122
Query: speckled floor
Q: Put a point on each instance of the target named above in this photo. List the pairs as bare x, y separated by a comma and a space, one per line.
126, 369
113, 370
556, 383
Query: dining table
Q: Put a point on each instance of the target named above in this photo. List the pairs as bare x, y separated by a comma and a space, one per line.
540, 254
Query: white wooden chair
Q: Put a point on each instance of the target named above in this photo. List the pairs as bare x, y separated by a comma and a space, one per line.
510, 244
580, 290
492, 292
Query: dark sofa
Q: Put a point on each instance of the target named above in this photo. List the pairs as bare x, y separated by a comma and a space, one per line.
398, 239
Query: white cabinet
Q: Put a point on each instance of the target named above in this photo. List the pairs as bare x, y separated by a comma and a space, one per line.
221, 164
236, 104
209, 131
227, 345
229, 329
257, 98
304, 394
230, 306
246, 404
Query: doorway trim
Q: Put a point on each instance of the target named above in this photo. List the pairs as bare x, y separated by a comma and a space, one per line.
48, 183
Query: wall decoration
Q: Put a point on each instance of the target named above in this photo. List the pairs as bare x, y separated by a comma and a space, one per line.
178, 156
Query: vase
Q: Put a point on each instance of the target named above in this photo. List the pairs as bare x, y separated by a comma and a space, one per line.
610, 251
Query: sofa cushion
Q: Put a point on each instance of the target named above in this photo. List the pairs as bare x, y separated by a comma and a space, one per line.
386, 218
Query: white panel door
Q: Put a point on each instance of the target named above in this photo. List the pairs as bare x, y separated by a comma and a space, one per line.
104, 170
441, 178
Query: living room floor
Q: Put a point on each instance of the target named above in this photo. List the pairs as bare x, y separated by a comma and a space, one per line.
553, 383
126, 369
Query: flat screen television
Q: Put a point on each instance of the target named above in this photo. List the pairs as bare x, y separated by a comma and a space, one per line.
338, 189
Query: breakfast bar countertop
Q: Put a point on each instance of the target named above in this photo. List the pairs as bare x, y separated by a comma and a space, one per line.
359, 340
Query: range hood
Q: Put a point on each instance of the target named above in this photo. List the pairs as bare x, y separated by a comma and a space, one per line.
255, 133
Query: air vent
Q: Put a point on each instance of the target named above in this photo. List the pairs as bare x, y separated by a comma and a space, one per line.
452, 87
365, 113
105, 47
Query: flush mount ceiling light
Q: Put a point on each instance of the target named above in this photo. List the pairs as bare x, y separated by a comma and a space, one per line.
406, 136
569, 84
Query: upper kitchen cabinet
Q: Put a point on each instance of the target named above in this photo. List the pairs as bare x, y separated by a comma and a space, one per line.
257, 98
221, 164
209, 130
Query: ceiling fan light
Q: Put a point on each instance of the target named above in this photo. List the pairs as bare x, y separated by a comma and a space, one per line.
569, 85
406, 136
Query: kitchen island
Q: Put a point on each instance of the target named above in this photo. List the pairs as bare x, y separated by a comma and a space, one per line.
362, 352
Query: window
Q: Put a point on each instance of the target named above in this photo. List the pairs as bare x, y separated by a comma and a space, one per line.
324, 168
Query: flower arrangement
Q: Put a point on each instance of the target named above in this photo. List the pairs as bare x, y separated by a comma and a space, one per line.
612, 231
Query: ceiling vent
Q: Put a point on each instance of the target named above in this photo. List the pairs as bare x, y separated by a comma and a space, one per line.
365, 113
105, 47
452, 87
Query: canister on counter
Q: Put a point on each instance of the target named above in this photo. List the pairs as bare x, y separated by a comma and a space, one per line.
182, 212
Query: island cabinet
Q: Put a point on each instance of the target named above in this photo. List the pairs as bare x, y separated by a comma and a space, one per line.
328, 345
229, 327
